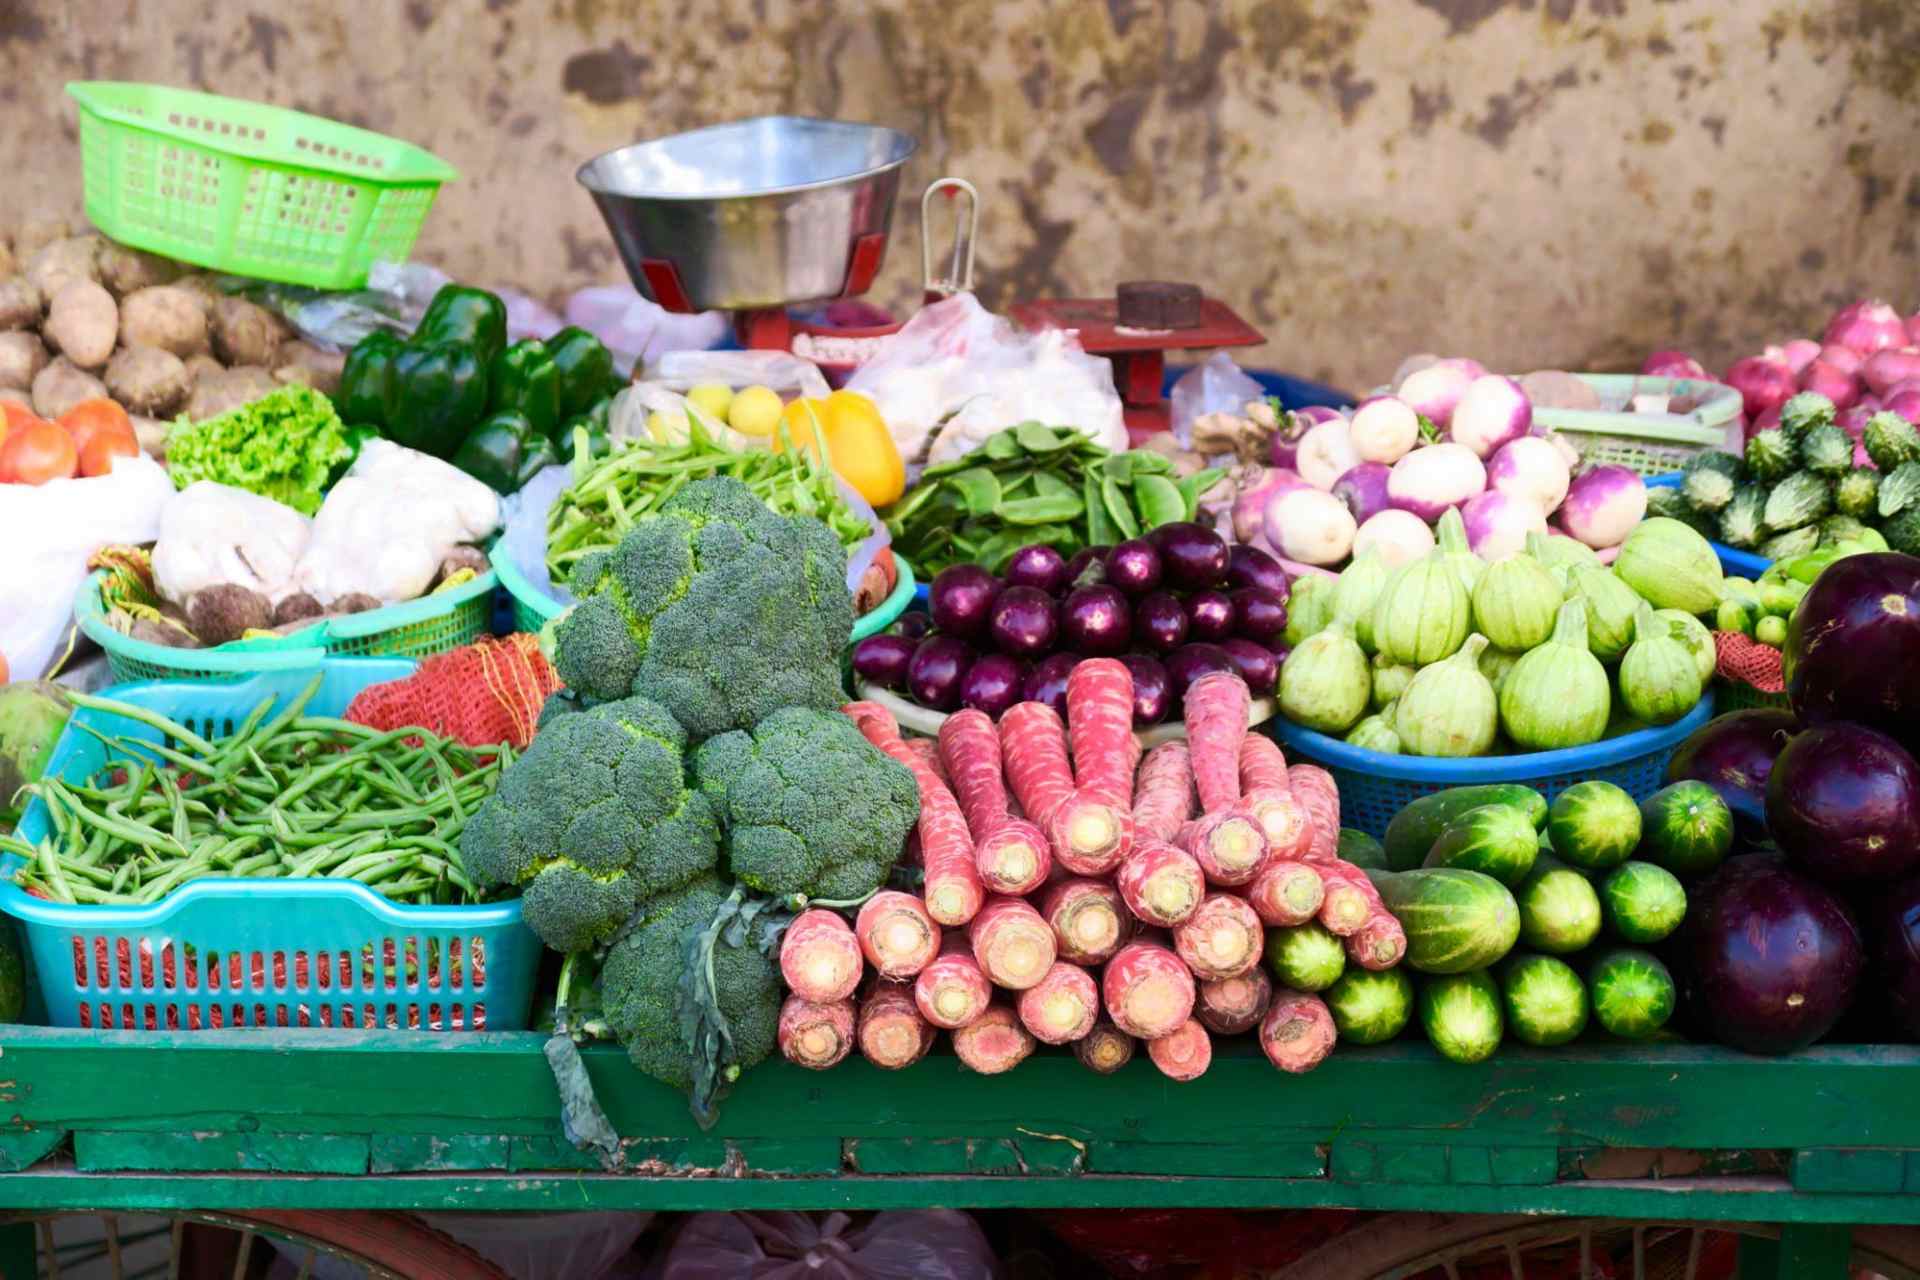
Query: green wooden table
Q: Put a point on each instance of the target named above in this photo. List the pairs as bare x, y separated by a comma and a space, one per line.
329, 1119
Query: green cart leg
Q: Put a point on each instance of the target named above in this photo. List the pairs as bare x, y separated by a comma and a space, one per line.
19, 1259
1803, 1252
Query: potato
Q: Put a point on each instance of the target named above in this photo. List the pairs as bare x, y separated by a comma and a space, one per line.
83, 323
37, 235
203, 289
21, 356
244, 333
167, 316
304, 362
124, 270
60, 386
203, 366
21, 305
64, 261
227, 611
214, 394
152, 435
148, 380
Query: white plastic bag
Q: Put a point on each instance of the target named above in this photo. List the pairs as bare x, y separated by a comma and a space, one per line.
638, 330
49, 530
918, 1244
213, 533
957, 373
1215, 386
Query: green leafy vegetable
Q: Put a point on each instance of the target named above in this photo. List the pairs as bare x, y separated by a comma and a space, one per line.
282, 446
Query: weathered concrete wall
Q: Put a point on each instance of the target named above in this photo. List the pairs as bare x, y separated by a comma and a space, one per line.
1534, 182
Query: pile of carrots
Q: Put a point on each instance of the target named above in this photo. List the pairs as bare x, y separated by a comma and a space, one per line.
1075, 893
84, 441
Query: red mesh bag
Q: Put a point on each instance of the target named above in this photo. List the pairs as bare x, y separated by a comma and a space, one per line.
481, 693
1747, 661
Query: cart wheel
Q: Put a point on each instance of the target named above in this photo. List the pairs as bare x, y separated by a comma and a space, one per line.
1402, 1246
389, 1246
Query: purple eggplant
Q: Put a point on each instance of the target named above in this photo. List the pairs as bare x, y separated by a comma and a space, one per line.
883, 659
1210, 616
1249, 566
1894, 929
993, 684
1259, 615
1853, 647
1037, 566
1734, 754
938, 668
914, 624
1087, 567
1023, 622
1096, 621
1152, 690
1047, 681
960, 598
1843, 801
1255, 663
1160, 621
1134, 567
1192, 556
1189, 662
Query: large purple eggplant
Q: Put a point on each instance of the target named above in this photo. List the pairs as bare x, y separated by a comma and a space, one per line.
1734, 754
1770, 959
1894, 926
1843, 802
1853, 647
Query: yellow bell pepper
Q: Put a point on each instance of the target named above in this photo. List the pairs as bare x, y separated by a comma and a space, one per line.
859, 445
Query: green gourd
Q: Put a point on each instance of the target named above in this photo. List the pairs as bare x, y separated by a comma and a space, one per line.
1450, 708
1557, 551
1357, 590
1424, 613
1497, 664
1611, 607
1515, 602
1376, 732
1390, 680
1325, 682
1659, 679
1309, 607
1692, 633
1450, 535
1557, 695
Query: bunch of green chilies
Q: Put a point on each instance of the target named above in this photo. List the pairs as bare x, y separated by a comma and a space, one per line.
296, 796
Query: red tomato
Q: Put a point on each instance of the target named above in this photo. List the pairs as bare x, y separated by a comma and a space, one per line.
104, 445
90, 417
37, 453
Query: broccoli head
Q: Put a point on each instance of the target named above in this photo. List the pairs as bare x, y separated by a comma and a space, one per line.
641, 984
809, 805
596, 816
714, 607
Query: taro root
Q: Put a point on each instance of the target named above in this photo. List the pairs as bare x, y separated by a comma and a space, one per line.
227, 611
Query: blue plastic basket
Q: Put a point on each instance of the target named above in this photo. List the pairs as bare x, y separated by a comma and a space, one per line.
1740, 564
280, 953
1374, 786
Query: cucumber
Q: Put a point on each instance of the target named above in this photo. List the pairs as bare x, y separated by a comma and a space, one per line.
1306, 956
1461, 1016
1545, 1001
1642, 902
1415, 828
1594, 825
1362, 850
1370, 1006
1455, 920
1631, 992
1559, 911
1495, 839
1686, 828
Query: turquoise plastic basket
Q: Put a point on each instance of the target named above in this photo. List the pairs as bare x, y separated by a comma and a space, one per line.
236, 952
532, 607
1741, 564
412, 629
1375, 786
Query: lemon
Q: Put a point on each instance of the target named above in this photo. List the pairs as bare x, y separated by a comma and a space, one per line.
667, 428
712, 399
755, 411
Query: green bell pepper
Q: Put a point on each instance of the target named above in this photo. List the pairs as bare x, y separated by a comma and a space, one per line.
459, 313
504, 452
367, 376
585, 366
595, 423
525, 380
438, 393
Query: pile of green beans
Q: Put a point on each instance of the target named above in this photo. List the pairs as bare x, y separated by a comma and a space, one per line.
295, 796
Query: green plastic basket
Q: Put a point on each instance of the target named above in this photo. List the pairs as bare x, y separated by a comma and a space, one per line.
1649, 444
533, 608
413, 629
249, 189
1738, 695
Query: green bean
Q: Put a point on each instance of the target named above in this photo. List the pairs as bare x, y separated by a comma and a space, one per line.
142, 715
49, 865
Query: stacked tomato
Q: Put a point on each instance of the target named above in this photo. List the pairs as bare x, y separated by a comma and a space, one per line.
84, 441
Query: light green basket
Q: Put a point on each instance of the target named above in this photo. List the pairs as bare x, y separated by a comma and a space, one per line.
1738, 695
249, 189
533, 608
1649, 444
413, 629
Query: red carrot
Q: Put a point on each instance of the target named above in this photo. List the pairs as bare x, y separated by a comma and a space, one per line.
1014, 859
1263, 765
1013, 945
1297, 1033
1105, 1049
1286, 891
896, 934
820, 957
1184, 1053
1228, 1006
1090, 836
1010, 854
1379, 943
816, 1035
1088, 918
1147, 989
1350, 897
1267, 795
1062, 1006
892, 1032
1163, 795
1222, 939
1033, 743
993, 1042
1315, 789
952, 991
874, 721
952, 886
1162, 884
927, 751
1216, 713
1227, 844
1100, 730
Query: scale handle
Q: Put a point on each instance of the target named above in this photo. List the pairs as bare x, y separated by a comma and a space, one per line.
959, 276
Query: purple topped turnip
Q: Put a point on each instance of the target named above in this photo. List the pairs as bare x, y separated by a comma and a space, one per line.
1364, 490
1492, 411
1433, 392
1435, 477
1603, 505
1384, 430
1532, 469
1310, 527
1283, 447
1326, 453
1255, 492
1498, 524
1398, 537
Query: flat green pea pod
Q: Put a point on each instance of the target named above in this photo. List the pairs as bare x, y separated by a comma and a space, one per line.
459, 313
526, 381
585, 367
